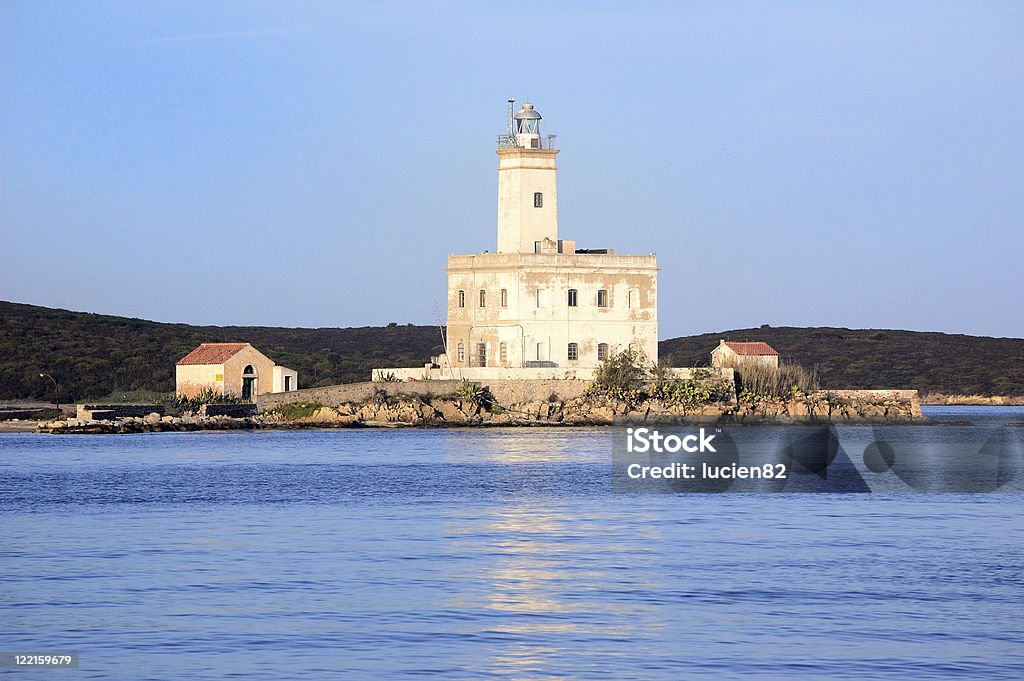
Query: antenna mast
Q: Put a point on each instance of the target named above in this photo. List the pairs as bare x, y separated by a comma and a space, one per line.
508, 138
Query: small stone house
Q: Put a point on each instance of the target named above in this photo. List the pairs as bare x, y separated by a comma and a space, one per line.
236, 369
734, 354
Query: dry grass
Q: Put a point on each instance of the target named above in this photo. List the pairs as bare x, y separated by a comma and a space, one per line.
767, 381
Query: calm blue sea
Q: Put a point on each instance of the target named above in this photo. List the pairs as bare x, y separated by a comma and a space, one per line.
482, 554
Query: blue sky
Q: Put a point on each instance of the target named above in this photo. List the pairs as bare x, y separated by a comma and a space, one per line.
313, 164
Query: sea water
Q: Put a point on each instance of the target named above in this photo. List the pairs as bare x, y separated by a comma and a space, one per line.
484, 553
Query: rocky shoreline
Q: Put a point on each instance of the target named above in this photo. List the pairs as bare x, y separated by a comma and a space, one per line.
386, 411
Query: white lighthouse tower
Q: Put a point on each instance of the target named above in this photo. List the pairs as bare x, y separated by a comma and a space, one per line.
527, 194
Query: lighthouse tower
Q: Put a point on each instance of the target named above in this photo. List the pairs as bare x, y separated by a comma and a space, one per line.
527, 196
539, 308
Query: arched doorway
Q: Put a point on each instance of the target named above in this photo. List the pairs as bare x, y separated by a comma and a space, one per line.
249, 382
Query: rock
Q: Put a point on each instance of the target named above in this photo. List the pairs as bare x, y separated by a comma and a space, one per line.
797, 409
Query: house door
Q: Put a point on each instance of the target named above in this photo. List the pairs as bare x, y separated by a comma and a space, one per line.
249, 385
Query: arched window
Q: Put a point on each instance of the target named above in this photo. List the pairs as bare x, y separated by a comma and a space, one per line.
602, 352
574, 352
573, 297
462, 298
462, 352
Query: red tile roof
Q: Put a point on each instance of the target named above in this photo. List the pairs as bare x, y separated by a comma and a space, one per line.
212, 353
751, 349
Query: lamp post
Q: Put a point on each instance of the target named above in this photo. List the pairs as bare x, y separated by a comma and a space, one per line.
56, 391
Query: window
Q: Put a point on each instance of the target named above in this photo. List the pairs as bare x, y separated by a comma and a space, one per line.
542, 297
538, 200
462, 352
503, 353
504, 297
481, 354
574, 352
602, 352
602, 298
634, 348
634, 299
573, 297
483, 298
462, 298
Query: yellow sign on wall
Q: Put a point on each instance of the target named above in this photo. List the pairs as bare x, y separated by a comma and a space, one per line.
219, 377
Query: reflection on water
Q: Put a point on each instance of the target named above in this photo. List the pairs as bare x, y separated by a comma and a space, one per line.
534, 584
542, 588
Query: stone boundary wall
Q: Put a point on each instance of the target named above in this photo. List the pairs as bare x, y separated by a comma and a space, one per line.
24, 414
116, 411
504, 391
232, 410
897, 395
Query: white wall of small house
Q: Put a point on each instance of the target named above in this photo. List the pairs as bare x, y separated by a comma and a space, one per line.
192, 379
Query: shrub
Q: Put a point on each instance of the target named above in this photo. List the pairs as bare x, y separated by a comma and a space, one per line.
478, 394
620, 377
691, 392
298, 410
204, 396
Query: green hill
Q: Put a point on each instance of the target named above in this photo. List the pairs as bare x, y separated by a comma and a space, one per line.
97, 355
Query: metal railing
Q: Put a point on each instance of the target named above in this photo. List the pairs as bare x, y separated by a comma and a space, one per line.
507, 140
